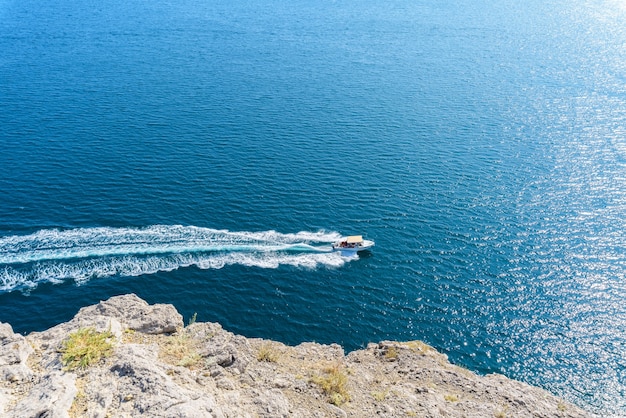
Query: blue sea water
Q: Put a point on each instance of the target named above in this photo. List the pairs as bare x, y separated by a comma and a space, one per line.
206, 153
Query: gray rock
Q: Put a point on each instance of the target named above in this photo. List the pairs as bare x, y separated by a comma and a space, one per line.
14, 351
135, 365
151, 391
142, 377
281, 382
101, 393
137, 314
224, 349
225, 383
5, 400
51, 398
197, 408
272, 404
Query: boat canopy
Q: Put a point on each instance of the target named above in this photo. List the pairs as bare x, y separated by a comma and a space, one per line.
354, 239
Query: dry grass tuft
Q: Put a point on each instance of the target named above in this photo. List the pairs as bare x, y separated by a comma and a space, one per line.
419, 346
451, 398
180, 350
380, 396
391, 353
333, 382
268, 352
79, 404
501, 412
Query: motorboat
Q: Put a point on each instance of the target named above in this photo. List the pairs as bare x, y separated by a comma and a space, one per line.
353, 244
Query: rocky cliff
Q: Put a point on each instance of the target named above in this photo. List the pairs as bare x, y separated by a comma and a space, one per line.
125, 358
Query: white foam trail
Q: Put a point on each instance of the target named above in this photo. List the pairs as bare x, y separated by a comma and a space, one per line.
53, 255
54, 244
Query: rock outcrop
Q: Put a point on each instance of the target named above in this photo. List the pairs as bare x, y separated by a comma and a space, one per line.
159, 368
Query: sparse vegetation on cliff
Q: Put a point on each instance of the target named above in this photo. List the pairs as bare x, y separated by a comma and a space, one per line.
268, 352
333, 381
124, 357
85, 347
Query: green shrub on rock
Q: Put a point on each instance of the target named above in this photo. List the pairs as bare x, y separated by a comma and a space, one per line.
85, 347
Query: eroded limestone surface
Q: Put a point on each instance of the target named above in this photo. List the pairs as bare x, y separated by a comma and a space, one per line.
159, 368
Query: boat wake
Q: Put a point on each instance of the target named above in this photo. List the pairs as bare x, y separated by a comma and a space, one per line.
53, 255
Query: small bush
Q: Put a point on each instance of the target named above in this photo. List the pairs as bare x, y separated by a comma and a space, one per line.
380, 396
85, 347
333, 383
180, 349
451, 398
190, 360
391, 353
268, 352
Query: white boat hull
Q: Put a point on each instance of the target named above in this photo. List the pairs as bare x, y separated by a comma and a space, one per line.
353, 248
